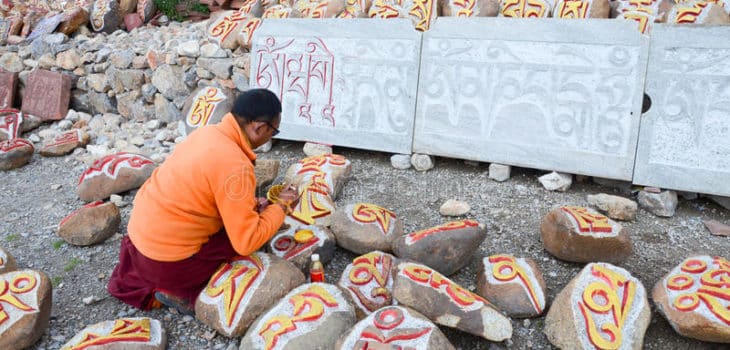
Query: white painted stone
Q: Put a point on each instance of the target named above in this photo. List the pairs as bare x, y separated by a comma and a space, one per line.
400, 161
499, 172
528, 93
556, 181
422, 162
316, 149
347, 83
685, 136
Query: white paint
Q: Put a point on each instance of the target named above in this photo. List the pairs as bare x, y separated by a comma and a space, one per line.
521, 262
410, 323
29, 298
105, 328
368, 288
702, 309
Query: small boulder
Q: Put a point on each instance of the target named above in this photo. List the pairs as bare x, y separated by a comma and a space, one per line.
615, 207
26, 317
11, 121
514, 285
453, 207
499, 172
364, 227
15, 153
316, 149
266, 171
297, 244
660, 204
369, 282
146, 9
205, 106
717, 228
422, 162
114, 174
400, 161
7, 262
136, 333
556, 181
93, 223
222, 29
65, 143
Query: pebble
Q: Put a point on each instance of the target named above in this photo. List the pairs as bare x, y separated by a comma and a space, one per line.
453, 207
400, 161
422, 162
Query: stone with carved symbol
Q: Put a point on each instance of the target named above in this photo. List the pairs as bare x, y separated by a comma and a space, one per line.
695, 297
298, 247
697, 12
25, 296
146, 9
364, 227
525, 8
245, 31
93, 223
423, 13
581, 234
355, 9
46, 95
11, 121
15, 153
243, 289
312, 316
253, 8
369, 281
576, 9
319, 8
335, 168
514, 285
136, 333
65, 143
266, 171
603, 307
224, 28
395, 327
205, 106
105, 16
7, 262
281, 11
446, 248
447, 303
113, 174
656, 9
386, 9
469, 8
8, 85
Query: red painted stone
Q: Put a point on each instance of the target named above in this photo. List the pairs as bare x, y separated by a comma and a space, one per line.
47, 95
8, 84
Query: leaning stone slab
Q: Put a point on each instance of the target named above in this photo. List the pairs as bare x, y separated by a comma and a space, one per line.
113, 174
93, 223
297, 244
137, 333
603, 307
364, 227
7, 262
581, 234
360, 96
395, 327
698, 12
47, 95
206, 105
335, 168
446, 248
514, 285
26, 310
243, 289
486, 97
15, 153
694, 297
448, 304
369, 282
312, 316
65, 143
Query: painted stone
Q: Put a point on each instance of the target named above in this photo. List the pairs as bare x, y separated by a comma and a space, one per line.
369, 282
388, 9
603, 307
205, 106
470, 8
355, 9
580, 234
26, 308
280, 12
47, 95
246, 30
336, 170
423, 13
695, 297
8, 85
311, 316
222, 29
697, 12
321, 241
73, 20
135, 333
525, 8
243, 289
315, 205
112, 174
578, 9
266, 171
65, 143
448, 304
364, 227
319, 8
146, 9
515, 286
105, 16
253, 8
15, 153
643, 20
7, 262
395, 327
11, 121
93, 223
446, 248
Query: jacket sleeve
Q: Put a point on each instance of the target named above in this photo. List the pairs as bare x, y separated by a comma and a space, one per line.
234, 189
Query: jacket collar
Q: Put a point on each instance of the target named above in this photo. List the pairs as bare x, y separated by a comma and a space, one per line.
230, 128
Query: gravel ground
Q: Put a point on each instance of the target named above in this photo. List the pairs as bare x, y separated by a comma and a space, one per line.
36, 197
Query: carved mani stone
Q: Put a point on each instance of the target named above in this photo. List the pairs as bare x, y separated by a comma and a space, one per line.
10, 123
364, 227
105, 16
65, 143
336, 169
8, 84
603, 307
470, 8
697, 12
138, 333
355, 9
47, 95
297, 244
222, 30
112, 174
525, 8
319, 8
73, 20
514, 285
7, 262
246, 30
578, 9
369, 281
26, 308
93, 223
15, 153
205, 106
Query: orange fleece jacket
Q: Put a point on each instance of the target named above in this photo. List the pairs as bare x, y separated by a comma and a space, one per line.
207, 183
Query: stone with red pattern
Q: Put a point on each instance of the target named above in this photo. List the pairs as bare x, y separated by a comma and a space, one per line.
113, 174
10, 123
93, 223
65, 143
364, 227
26, 308
135, 333
285, 245
15, 153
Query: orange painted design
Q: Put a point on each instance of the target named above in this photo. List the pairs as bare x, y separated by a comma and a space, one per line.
422, 10
276, 11
316, 163
686, 14
588, 222
247, 7
22, 283
364, 270
367, 213
687, 302
506, 269
71, 136
225, 27
316, 10
383, 9
713, 288
111, 165
455, 225
694, 266
466, 7
573, 9
233, 291
427, 276
523, 8
616, 294
250, 28
310, 206
203, 107
640, 17
680, 282
288, 248
309, 305
637, 4
124, 330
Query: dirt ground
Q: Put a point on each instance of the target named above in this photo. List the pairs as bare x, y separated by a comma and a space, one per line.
35, 198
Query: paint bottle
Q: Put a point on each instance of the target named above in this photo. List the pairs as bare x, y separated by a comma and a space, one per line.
316, 270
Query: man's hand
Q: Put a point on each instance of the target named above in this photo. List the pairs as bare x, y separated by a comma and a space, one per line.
261, 204
289, 198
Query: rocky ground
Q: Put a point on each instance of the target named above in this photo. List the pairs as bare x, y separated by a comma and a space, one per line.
36, 197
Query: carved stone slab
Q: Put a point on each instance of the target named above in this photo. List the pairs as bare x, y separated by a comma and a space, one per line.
26, 296
347, 83
685, 135
321, 241
11, 121
7, 262
112, 174
15, 153
364, 227
369, 281
8, 84
90, 224
138, 333
525, 8
695, 298
64, 143
523, 93
514, 285
47, 95
243, 289
575, 9
469, 8
205, 106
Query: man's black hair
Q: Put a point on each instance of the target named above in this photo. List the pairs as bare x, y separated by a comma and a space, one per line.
257, 105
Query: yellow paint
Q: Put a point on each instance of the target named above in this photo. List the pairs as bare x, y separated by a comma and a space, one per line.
573, 9
124, 330
508, 263
203, 107
22, 283
587, 221
368, 213
606, 286
233, 291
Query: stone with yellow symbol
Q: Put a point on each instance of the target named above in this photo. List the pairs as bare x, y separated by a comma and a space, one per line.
469, 8
223, 28
136, 333
697, 12
25, 296
364, 227
336, 170
206, 105
525, 8
368, 280
319, 8
579, 9
515, 285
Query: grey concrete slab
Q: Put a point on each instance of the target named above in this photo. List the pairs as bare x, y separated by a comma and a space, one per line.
684, 142
539, 93
343, 82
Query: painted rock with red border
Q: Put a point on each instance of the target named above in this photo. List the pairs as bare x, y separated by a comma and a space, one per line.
65, 143
447, 303
281, 11
112, 174
205, 106
93, 223
698, 12
246, 30
105, 16
364, 227
243, 289
312, 316
581, 234
603, 307
136, 333
395, 327
11, 121
15, 153
369, 281
446, 248
224, 28
7, 262
515, 286
26, 296
336, 169
297, 247
695, 298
